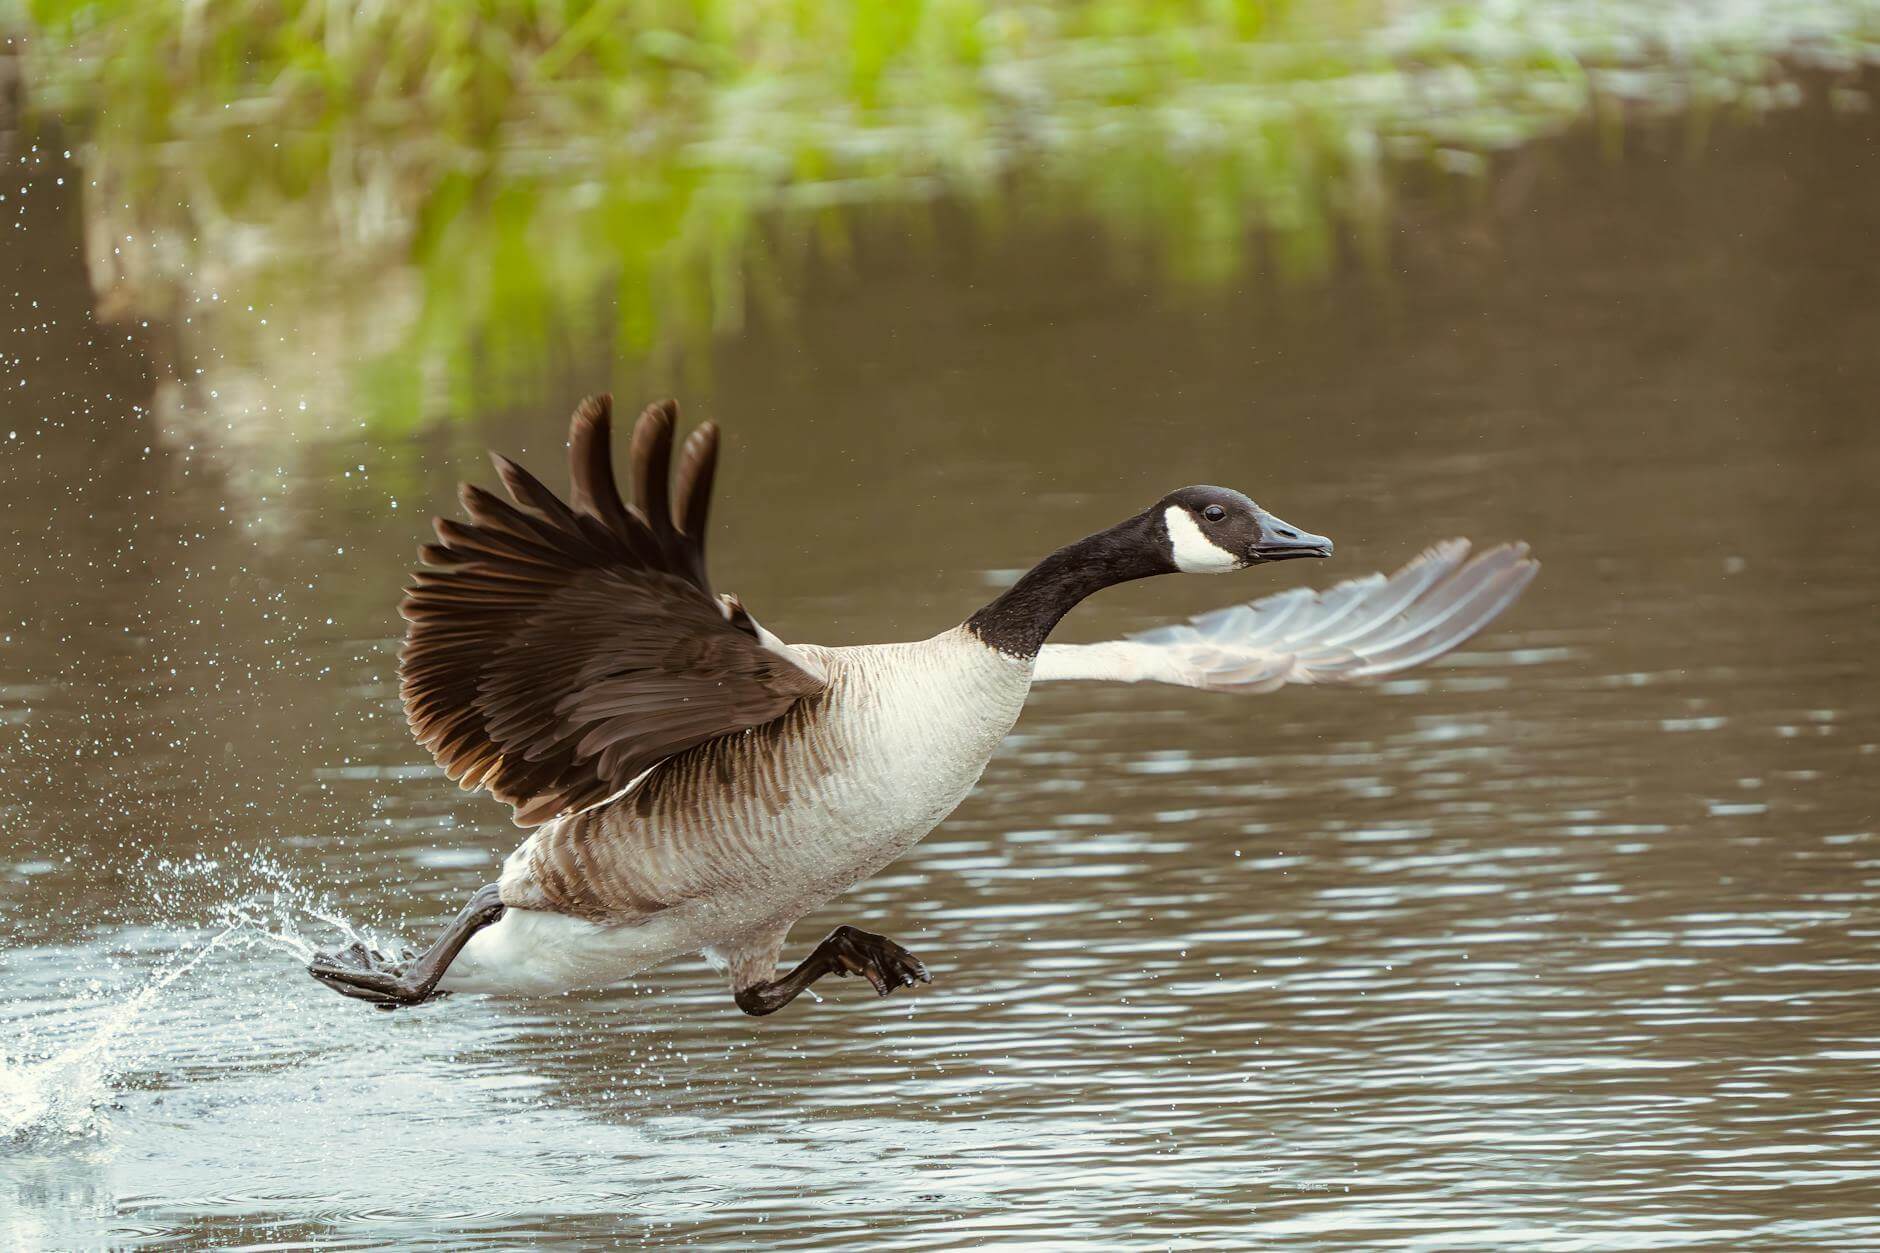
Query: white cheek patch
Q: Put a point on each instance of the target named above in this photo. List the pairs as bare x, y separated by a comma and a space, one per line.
1194, 552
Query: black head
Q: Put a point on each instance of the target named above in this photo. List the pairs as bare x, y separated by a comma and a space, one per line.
1212, 530
1198, 530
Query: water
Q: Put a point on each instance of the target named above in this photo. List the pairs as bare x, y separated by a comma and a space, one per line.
1567, 941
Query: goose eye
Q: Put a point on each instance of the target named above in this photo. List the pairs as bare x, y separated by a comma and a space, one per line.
1214, 513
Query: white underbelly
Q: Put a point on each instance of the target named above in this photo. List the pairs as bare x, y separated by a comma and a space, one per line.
536, 951
533, 952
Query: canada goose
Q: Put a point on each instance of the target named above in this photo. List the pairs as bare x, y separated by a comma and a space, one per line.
696, 784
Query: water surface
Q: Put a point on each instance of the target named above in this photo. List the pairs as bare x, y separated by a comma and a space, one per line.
1567, 940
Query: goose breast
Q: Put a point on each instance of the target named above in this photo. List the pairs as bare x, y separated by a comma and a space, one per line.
762, 826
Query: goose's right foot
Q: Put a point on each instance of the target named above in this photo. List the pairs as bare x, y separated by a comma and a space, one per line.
845, 951
876, 958
368, 975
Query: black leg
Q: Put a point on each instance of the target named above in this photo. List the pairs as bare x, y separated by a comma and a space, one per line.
845, 951
386, 983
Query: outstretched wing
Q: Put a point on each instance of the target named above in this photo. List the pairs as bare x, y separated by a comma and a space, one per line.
558, 650
1361, 629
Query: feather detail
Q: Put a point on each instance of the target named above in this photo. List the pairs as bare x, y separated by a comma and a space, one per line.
1359, 630
557, 650
691, 505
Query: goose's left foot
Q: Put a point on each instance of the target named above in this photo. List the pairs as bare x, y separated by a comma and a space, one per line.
369, 975
845, 951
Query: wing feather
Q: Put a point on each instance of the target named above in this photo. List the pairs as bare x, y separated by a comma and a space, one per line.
698, 465
650, 458
557, 650
1358, 630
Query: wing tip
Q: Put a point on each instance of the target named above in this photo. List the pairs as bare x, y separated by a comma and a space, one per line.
1514, 558
590, 428
649, 463
1449, 552
593, 490
594, 410
652, 433
698, 464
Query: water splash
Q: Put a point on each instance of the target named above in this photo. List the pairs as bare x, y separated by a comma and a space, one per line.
67, 1095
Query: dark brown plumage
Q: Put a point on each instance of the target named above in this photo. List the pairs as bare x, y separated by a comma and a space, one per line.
557, 650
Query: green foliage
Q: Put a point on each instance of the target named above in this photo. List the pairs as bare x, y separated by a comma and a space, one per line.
472, 181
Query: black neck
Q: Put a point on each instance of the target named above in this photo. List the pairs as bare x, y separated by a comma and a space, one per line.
1018, 622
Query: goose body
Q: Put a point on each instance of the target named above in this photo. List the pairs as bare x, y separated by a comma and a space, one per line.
696, 784
724, 847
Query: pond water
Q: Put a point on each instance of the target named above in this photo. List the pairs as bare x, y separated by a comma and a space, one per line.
1567, 940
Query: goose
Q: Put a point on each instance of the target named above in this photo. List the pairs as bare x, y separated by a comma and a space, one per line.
694, 784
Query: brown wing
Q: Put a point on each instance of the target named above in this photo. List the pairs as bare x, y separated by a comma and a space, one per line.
557, 650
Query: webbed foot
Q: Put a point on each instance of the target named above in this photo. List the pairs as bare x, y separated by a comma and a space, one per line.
369, 975
845, 951
885, 964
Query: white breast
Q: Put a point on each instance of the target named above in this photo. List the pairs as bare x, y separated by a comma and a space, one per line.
912, 732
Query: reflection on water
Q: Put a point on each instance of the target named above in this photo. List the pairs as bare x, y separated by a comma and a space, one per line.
1567, 940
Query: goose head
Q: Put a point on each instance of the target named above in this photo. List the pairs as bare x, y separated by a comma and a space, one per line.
1214, 530
1197, 530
